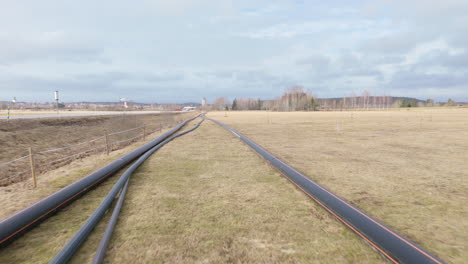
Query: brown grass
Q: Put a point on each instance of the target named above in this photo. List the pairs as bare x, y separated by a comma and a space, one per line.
43, 242
207, 198
203, 198
407, 168
16, 136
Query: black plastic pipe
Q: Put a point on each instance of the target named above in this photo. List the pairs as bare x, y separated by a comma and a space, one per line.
102, 248
80, 236
20, 222
386, 241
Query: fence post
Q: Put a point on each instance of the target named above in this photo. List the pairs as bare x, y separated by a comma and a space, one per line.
160, 127
107, 143
33, 170
144, 132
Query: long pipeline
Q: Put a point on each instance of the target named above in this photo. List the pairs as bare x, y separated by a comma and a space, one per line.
102, 248
80, 236
20, 222
386, 241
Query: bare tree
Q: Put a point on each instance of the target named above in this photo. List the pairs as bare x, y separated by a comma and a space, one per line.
353, 100
220, 103
365, 100
295, 99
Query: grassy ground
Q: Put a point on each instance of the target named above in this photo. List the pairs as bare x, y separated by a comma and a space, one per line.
14, 112
203, 198
19, 195
407, 168
16, 136
20, 112
207, 198
43, 242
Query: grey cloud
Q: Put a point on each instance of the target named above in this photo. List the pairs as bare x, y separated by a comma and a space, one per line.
420, 21
121, 78
47, 46
413, 80
95, 88
292, 30
458, 37
348, 60
106, 77
243, 76
422, 9
164, 77
444, 59
253, 76
364, 72
223, 74
387, 59
42, 89
147, 87
110, 49
317, 60
393, 44
347, 65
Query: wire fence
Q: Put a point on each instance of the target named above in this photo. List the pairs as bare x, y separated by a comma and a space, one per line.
37, 162
70, 146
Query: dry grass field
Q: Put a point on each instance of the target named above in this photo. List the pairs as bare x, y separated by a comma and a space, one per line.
207, 198
20, 112
16, 136
407, 168
203, 198
43, 242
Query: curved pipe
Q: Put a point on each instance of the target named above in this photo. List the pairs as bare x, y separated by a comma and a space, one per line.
386, 241
20, 222
102, 247
80, 236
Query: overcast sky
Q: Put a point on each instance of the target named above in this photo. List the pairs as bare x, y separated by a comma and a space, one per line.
183, 50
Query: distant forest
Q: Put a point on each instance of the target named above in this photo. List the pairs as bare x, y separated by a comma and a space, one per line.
296, 98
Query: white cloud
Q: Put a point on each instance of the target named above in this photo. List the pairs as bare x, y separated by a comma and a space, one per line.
291, 30
184, 49
52, 45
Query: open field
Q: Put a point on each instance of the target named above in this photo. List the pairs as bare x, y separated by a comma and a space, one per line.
16, 136
204, 198
208, 198
34, 114
407, 168
13, 111
19, 112
43, 242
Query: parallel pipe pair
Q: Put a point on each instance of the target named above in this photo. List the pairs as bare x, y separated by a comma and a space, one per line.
20, 222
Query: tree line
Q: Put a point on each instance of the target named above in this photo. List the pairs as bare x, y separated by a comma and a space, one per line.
297, 98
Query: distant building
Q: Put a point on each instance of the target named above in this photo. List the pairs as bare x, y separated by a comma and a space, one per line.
203, 102
188, 108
